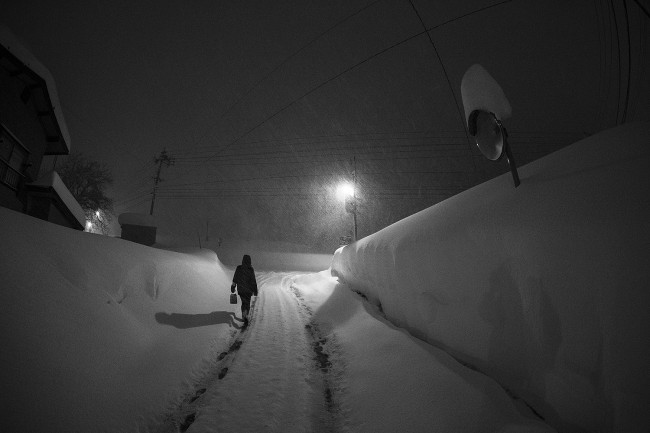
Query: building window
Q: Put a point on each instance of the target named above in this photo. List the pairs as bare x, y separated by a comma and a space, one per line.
13, 159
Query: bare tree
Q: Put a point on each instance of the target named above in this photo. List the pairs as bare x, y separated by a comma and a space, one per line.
87, 180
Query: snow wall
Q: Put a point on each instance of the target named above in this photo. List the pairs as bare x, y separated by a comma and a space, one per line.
101, 334
543, 287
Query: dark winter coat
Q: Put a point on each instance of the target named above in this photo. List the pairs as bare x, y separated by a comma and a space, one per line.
244, 279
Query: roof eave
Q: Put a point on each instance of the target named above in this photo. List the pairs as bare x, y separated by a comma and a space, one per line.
39, 86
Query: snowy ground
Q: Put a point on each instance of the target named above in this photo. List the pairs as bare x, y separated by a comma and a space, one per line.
318, 358
542, 288
100, 334
269, 381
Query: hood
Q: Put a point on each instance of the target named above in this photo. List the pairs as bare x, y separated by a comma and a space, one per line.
246, 260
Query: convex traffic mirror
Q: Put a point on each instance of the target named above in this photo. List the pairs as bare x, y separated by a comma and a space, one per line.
491, 138
485, 106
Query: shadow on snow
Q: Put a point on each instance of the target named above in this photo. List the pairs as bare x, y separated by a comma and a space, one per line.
185, 321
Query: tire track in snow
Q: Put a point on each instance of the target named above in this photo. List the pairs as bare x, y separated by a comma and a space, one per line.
322, 361
272, 379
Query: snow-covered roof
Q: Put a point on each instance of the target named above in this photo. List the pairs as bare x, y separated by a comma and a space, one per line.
54, 181
47, 99
136, 219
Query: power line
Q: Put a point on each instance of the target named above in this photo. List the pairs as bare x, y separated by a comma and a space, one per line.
279, 146
327, 138
629, 62
307, 195
349, 69
609, 54
266, 162
204, 183
330, 151
643, 8
447, 142
368, 185
132, 204
642, 44
314, 89
332, 148
475, 11
340, 157
87, 123
293, 55
130, 198
601, 38
336, 76
618, 47
331, 79
379, 136
421, 154
444, 70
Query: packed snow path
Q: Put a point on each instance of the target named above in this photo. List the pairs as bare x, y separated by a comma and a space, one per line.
272, 378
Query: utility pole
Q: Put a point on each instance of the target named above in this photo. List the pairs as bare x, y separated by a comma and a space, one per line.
354, 194
164, 158
351, 201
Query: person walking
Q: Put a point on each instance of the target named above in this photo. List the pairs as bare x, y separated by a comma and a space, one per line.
244, 280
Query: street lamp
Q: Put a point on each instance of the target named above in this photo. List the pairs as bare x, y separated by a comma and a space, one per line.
344, 190
347, 193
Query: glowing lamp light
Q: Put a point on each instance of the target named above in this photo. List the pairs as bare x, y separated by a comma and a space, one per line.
344, 191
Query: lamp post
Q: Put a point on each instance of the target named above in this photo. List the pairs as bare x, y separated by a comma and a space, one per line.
347, 192
351, 207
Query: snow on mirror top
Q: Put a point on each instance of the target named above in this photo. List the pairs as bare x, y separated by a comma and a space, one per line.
481, 92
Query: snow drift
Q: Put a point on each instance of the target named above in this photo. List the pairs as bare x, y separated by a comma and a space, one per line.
543, 287
99, 333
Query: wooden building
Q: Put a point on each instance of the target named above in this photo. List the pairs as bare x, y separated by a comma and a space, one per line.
31, 127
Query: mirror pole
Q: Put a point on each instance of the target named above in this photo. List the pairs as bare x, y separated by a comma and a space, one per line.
511, 159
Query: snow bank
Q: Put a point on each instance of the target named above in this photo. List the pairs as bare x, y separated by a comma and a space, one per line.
543, 287
98, 333
396, 383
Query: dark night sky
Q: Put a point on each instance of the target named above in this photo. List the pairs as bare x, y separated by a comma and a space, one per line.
264, 104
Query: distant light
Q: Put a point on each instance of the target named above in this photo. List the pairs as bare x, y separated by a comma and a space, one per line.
97, 213
344, 191
89, 225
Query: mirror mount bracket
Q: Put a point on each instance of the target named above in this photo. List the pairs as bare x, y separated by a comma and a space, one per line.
509, 157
